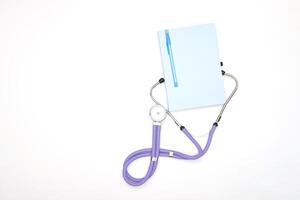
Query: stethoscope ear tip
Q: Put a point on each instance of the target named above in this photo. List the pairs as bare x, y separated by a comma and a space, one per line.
161, 80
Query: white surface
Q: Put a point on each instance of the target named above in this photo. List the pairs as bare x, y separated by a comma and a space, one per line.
196, 65
70, 72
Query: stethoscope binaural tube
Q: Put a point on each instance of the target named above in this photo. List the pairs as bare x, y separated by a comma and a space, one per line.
155, 151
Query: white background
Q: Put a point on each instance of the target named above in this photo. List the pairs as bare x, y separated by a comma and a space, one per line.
74, 100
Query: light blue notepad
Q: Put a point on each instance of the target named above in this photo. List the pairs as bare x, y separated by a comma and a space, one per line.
191, 65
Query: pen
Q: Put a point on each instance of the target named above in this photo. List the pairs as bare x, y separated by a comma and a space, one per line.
169, 49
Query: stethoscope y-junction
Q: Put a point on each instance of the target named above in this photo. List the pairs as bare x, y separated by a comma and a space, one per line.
158, 113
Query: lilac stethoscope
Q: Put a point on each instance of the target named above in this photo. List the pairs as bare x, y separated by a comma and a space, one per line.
158, 113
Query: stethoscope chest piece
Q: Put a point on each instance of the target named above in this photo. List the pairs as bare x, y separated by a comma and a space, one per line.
158, 113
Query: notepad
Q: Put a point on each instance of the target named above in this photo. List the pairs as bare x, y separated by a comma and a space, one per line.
191, 66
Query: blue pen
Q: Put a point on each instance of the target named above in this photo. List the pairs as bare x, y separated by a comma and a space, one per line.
169, 49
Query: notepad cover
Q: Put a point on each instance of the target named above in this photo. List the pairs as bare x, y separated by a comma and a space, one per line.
191, 66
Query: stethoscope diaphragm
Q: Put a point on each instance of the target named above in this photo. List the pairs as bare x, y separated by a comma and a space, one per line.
158, 113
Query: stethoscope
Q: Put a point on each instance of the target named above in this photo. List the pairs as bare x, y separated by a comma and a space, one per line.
158, 114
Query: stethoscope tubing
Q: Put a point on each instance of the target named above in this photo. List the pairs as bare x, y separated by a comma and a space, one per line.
155, 152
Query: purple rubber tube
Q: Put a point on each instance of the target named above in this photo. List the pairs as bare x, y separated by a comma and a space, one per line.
155, 152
